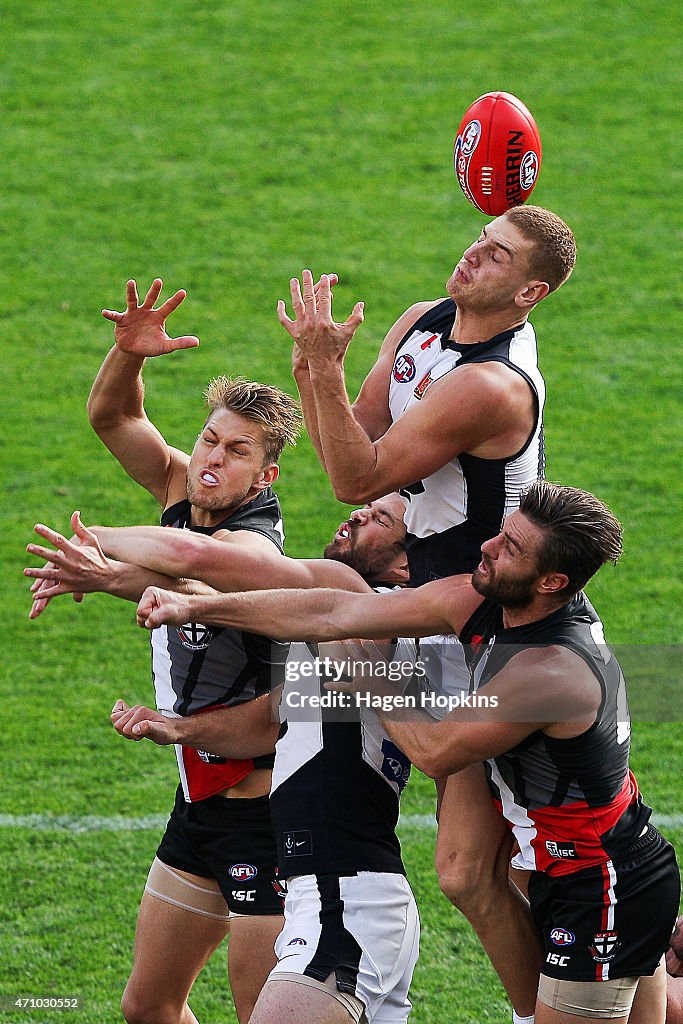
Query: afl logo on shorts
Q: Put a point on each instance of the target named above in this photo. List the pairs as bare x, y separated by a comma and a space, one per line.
562, 937
243, 872
195, 636
297, 942
404, 369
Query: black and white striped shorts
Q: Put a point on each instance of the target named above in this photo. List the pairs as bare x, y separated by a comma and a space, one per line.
363, 929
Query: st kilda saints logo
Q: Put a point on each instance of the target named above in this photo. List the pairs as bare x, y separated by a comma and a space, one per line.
605, 946
195, 636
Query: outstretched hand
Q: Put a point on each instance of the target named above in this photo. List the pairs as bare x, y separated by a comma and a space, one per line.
77, 567
139, 723
317, 337
159, 607
141, 329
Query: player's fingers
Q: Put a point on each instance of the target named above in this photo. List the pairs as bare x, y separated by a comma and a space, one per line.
46, 572
167, 307
47, 553
37, 608
78, 598
309, 291
131, 295
187, 341
297, 299
357, 316
55, 590
332, 279
325, 299
58, 539
111, 314
81, 531
153, 293
284, 318
38, 584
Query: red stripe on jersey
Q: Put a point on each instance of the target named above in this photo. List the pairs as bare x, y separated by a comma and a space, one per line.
569, 838
206, 778
427, 343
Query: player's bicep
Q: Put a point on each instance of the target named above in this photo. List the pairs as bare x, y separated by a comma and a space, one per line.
146, 457
410, 613
371, 408
455, 416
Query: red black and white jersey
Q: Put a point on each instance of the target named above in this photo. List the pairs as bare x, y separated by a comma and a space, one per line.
451, 513
197, 667
571, 803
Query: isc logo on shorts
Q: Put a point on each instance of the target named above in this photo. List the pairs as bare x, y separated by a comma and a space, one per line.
244, 895
243, 872
557, 960
563, 851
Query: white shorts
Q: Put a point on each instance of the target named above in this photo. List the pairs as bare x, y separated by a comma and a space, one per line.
364, 929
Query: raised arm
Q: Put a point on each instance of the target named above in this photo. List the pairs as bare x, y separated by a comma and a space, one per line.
234, 561
302, 377
468, 411
116, 404
443, 606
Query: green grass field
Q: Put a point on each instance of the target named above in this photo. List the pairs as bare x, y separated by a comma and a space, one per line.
224, 147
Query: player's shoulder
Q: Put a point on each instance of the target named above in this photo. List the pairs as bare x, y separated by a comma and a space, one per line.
410, 317
493, 384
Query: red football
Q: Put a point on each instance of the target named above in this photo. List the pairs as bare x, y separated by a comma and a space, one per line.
497, 154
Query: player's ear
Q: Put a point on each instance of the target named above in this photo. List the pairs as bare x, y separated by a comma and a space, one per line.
553, 582
269, 475
399, 574
531, 294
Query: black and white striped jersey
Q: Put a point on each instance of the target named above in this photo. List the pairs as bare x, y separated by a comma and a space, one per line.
451, 513
195, 666
336, 784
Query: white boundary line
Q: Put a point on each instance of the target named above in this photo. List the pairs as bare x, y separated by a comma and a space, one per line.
156, 822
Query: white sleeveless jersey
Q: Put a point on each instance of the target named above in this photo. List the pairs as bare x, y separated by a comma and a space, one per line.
337, 779
451, 513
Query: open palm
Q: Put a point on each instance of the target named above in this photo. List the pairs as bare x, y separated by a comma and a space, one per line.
141, 329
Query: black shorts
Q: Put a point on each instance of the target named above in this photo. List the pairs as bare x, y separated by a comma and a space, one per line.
611, 921
231, 841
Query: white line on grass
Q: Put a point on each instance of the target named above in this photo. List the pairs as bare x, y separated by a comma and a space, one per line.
155, 822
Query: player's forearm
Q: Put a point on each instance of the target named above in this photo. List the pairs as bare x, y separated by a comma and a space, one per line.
303, 382
117, 392
151, 547
317, 615
129, 582
349, 454
247, 730
283, 615
223, 565
431, 746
